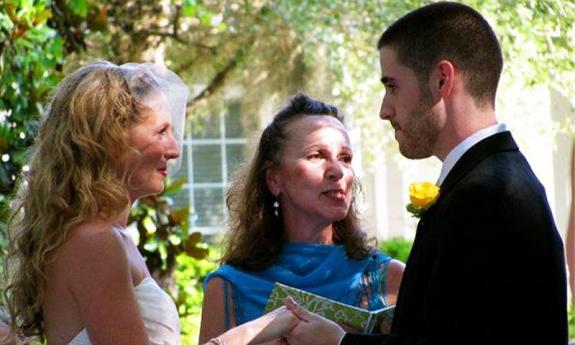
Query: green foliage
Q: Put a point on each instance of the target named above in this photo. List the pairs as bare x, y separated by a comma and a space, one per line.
163, 233
571, 320
189, 275
537, 38
397, 247
79, 7
31, 56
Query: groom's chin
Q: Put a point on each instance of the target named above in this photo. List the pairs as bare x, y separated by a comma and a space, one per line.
412, 153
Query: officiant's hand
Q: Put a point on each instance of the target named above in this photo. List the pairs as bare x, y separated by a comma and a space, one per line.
312, 329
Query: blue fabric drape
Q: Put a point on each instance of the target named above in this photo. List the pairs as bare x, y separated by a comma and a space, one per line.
321, 269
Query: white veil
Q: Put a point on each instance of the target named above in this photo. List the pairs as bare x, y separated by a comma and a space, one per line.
144, 79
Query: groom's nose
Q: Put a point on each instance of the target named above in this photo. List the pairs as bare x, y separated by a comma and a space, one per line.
387, 111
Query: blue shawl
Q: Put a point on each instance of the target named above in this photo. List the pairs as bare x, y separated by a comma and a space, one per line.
325, 270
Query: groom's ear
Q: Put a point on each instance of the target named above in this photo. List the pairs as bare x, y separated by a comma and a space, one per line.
273, 180
443, 79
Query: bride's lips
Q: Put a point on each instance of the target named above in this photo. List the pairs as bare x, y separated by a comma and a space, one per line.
163, 171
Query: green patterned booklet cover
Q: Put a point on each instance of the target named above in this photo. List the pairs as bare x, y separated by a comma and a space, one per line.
360, 319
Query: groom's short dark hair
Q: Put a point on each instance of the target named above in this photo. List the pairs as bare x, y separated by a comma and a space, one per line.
453, 32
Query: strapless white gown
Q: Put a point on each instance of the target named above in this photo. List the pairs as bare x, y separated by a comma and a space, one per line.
158, 311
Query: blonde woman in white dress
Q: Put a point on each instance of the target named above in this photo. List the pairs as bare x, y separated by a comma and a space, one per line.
74, 276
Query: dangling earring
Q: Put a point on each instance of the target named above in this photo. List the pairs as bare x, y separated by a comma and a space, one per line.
276, 208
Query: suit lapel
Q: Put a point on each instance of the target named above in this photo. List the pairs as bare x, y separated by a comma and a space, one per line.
499, 142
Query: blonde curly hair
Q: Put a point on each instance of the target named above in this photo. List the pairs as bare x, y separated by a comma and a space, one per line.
73, 175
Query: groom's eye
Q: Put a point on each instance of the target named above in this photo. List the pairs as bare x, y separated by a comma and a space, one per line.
389, 87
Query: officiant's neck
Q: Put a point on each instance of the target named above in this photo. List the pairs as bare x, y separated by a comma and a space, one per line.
310, 233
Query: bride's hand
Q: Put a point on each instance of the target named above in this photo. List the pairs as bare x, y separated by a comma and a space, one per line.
274, 325
268, 328
313, 329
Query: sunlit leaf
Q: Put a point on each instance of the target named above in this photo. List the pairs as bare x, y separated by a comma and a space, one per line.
180, 216
151, 246
198, 253
42, 15
162, 250
149, 225
205, 16
175, 187
175, 240
79, 7
190, 8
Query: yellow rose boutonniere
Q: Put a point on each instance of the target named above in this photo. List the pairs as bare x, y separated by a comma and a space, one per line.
422, 196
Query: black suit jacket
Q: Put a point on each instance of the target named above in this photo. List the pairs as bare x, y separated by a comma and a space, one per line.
487, 263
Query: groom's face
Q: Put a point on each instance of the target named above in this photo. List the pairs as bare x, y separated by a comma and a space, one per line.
409, 107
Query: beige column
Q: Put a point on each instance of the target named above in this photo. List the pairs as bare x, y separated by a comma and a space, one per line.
570, 238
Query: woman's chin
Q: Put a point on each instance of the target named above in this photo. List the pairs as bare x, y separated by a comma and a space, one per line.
146, 193
339, 215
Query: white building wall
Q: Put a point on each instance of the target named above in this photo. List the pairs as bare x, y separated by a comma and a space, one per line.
562, 112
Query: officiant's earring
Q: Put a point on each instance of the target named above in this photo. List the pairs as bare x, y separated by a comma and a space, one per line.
276, 208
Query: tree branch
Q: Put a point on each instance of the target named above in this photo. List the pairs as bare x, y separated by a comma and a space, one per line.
219, 79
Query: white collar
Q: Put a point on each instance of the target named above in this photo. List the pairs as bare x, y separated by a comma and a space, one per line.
458, 151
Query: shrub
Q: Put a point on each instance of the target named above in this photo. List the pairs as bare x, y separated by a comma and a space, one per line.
396, 247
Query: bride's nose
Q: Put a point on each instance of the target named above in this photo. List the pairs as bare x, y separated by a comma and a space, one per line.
173, 150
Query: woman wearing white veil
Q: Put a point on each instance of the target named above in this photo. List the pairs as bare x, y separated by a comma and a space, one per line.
74, 275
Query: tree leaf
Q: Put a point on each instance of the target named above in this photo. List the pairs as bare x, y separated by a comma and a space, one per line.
79, 7
197, 253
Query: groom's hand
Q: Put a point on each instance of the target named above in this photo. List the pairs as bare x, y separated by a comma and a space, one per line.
312, 329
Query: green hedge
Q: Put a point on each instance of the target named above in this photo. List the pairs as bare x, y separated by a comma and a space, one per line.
396, 247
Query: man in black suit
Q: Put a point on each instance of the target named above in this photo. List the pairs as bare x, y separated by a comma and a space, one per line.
487, 262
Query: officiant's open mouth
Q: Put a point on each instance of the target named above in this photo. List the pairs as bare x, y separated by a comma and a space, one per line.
335, 194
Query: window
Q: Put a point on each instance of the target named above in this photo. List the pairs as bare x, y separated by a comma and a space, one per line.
211, 154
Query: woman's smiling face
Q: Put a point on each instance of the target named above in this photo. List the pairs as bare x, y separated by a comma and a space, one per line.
154, 145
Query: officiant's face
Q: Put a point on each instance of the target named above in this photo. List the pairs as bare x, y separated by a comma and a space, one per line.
315, 177
409, 107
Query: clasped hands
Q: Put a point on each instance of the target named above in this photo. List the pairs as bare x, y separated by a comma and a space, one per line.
295, 325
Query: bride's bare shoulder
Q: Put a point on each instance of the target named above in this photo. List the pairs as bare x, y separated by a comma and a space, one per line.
91, 247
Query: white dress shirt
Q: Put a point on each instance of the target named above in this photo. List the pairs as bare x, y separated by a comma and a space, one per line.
458, 151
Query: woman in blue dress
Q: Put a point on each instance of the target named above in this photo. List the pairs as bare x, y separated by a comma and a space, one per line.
293, 220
